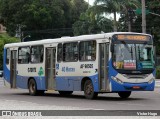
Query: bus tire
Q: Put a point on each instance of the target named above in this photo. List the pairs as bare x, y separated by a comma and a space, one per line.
64, 93
124, 94
89, 90
32, 87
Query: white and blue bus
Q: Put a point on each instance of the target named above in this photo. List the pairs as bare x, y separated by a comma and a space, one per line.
118, 62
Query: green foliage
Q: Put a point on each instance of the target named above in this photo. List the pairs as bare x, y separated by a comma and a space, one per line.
152, 22
158, 73
4, 39
36, 15
78, 7
115, 6
91, 23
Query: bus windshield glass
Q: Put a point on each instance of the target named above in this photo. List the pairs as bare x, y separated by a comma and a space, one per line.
133, 56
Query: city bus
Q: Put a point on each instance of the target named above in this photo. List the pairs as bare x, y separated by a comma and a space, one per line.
116, 62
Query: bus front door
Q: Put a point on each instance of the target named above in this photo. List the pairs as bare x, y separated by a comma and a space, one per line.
103, 66
50, 68
13, 68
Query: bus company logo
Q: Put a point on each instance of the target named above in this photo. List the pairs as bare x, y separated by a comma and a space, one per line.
6, 113
57, 66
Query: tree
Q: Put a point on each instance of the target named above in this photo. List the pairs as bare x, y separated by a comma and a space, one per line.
4, 39
91, 23
78, 7
35, 16
152, 22
115, 6
107, 6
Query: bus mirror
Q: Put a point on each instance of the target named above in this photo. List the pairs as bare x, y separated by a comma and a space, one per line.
155, 57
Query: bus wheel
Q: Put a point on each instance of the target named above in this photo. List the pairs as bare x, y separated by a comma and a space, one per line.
89, 90
32, 87
64, 93
124, 94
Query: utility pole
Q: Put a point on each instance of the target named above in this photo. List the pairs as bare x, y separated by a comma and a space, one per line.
88, 4
130, 18
129, 25
143, 16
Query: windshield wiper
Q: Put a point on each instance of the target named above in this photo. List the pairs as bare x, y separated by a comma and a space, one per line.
139, 53
126, 46
131, 53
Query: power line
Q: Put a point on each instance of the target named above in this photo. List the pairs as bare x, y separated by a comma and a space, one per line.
59, 30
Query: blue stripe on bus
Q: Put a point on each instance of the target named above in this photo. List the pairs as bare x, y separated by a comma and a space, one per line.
22, 82
74, 83
62, 83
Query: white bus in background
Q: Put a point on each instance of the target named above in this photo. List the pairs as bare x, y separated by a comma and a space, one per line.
118, 62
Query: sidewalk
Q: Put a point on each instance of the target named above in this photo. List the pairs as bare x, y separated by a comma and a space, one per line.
1, 82
157, 83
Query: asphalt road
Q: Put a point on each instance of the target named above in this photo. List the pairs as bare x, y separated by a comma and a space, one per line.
19, 99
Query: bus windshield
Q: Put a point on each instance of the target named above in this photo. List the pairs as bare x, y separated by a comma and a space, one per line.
133, 56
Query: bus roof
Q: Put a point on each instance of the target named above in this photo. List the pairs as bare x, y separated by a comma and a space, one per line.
68, 39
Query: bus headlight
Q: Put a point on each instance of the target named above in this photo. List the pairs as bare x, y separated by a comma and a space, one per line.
116, 79
151, 80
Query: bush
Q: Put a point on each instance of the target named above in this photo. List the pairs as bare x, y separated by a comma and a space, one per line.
4, 39
158, 72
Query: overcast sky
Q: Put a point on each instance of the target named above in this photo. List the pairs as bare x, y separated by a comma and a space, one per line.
108, 16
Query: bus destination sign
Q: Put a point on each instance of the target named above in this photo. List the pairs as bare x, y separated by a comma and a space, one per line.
133, 37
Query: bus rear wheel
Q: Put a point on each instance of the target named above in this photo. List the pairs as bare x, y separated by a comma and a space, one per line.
89, 90
124, 95
64, 93
32, 87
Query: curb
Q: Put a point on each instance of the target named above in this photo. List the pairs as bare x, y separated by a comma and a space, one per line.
157, 85
50, 91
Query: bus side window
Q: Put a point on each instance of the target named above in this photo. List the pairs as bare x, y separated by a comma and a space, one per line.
87, 50
59, 53
23, 55
70, 52
37, 54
